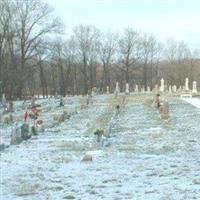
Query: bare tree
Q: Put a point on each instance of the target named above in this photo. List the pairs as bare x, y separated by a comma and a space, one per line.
70, 60
33, 21
58, 59
107, 51
178, 62
150, 56
129, 51
86, 38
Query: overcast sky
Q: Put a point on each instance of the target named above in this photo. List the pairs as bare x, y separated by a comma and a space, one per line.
178, 19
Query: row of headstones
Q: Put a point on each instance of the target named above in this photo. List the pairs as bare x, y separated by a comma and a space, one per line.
162, 88
20, 133
184, 88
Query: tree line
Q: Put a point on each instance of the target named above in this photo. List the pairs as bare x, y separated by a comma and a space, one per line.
36, 59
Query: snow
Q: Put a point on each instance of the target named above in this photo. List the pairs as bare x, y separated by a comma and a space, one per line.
147, 158
194, 101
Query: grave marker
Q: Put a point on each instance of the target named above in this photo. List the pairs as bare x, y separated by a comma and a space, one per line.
194, 87
162, 85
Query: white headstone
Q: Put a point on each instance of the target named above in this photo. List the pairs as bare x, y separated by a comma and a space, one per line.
136, 88
194, 87
170, 89
174, 88
107, 90
186, 84
180, 89
117, 90
93, 93
127, 88
156, 88
148, 89
142, 89
162, 85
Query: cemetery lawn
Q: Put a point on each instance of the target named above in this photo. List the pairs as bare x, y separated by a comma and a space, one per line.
144, 157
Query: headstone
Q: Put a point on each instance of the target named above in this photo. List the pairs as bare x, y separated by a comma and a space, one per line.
174, 88
170, 89
61, 102
136, 88
88, 99
107, 90
33, 102
142, 89
186, 84
164, 110
94, 91
87, 158
180, 89
7, 118
127, 89
162, 85
194, 87
2, 145
156, 88
148, 89
4, 102
117, 90
40, 128
16, 135
25, 132
10, 107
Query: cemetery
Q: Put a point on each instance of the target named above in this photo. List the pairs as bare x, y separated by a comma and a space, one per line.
131, 144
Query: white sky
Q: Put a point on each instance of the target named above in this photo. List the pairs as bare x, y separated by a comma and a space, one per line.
178, 19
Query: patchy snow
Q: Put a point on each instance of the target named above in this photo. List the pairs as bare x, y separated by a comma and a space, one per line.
147, 158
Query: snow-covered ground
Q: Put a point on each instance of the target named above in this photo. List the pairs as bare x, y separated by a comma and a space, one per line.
147, 158
194, 101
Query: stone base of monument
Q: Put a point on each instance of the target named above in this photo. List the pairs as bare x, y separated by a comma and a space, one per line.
183, 95
195, 94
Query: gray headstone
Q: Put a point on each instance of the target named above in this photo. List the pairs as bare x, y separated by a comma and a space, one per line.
2, 145
25, 132
16, 135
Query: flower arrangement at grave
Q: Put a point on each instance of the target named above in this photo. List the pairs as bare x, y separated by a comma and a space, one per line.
33, 130
99, 133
